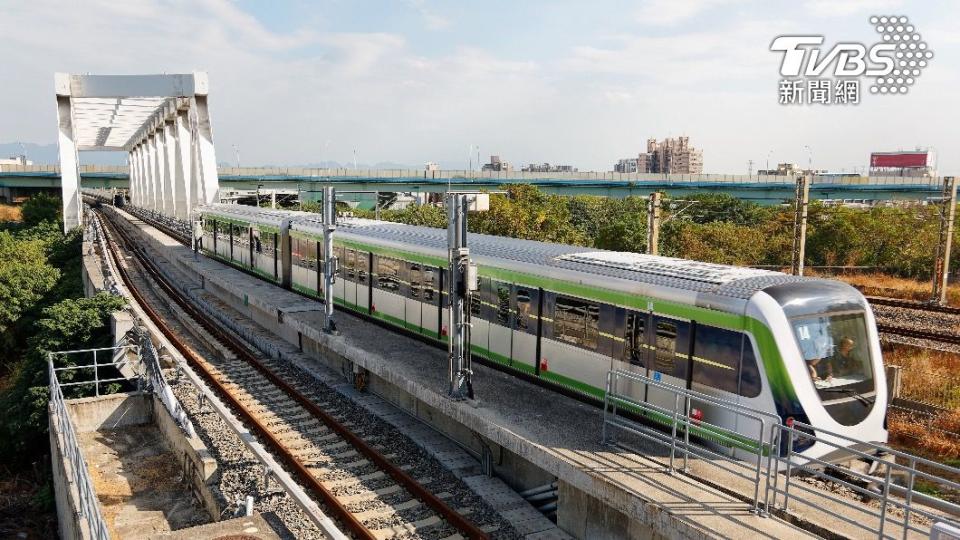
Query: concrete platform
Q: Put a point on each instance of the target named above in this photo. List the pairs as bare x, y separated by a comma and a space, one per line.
137, 479
532, 434
242, 528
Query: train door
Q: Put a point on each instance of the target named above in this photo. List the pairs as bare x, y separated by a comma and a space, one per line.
669, 344
524, 347
501, 324
339, 285
363, 280
349, 276
413, 296
388, 301
635, 354
430, 301
481, 311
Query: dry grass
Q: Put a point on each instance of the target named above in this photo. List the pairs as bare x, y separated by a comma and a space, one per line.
931, 377
896, 287
928, 376
10, 213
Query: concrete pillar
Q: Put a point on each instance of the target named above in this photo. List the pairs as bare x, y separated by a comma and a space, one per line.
183, 172
169, 165
206, 161
160, 164
136, 187
148, 171
69, 165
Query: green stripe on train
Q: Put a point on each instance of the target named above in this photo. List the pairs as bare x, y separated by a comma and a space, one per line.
779, 380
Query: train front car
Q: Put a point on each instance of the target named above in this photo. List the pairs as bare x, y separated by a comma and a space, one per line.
829, 373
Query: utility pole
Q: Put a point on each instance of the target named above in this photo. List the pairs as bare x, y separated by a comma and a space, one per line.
653, 223
800, 204
750, 167
462, 282
941, 269
330, 262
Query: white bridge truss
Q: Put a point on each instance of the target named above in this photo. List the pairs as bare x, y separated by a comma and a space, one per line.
163, 124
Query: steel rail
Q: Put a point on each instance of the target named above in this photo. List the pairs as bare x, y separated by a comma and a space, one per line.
912, 304
238, 348
942, 337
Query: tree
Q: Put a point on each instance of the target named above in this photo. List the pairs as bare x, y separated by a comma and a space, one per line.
527, 213
41, 207
69, 324
25, 277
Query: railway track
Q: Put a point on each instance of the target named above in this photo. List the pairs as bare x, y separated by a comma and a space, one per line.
912, 304
349, 469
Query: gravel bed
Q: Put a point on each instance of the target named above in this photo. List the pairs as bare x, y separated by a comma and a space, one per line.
239, 473
918, 320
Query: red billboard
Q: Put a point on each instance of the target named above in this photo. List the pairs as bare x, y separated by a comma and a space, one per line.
898, 159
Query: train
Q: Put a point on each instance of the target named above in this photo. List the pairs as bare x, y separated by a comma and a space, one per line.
804, 349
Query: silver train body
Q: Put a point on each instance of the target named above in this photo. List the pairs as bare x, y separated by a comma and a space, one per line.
801, 348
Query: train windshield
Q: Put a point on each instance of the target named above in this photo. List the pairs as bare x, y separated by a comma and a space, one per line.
836, 353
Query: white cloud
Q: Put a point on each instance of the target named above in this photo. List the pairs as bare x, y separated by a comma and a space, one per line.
672, 12
432, 20
842, 8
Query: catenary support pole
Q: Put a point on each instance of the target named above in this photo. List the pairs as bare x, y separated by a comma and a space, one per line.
329, 261
462, 281
653, 223
948, 211
801, 203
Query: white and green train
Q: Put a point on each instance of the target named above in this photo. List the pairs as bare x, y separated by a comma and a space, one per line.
805, 349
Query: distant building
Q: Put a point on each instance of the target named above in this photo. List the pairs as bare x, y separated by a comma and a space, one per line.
918, 163
671, 156
783, 169
431, 166
16, 160
626, 165
496, 164
546, 167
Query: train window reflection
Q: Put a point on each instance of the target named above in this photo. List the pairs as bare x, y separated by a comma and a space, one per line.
835, 351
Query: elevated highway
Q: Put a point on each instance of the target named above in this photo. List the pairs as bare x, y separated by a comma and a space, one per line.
308, 182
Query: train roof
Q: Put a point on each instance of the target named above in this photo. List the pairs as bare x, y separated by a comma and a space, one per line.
252, 214
593, 266
694, 276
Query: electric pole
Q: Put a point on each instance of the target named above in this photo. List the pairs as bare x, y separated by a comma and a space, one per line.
800, 204
948, 208
330, 262
462, 282
653, 223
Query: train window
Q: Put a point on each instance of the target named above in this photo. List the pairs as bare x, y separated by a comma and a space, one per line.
388, 274
415, 277
666, 346
476, 305
635, 339
750, 384
576, 322
503, 304
350, 265
430, 285
716, 358
257, 244
361, 262
525, 311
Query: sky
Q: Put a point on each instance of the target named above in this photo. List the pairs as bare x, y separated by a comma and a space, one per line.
411, 81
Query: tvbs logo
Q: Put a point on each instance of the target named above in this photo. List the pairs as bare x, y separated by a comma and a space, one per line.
894, 63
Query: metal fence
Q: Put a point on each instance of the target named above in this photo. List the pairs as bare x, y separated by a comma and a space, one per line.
897, 495
89, 513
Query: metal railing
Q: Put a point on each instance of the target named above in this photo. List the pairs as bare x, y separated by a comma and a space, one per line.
908, 507
686, 415
895, 494
88, 509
